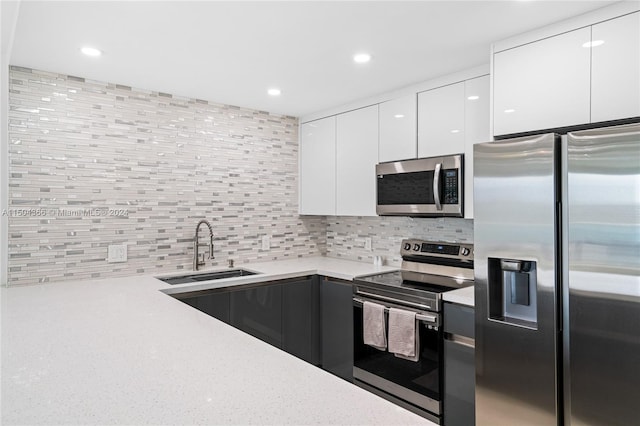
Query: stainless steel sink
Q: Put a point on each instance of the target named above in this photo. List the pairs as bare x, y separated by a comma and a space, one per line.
207, 276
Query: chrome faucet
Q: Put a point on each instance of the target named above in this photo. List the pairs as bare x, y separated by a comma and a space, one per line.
196, 258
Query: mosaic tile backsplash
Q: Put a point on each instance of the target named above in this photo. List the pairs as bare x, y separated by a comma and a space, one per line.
94, 164
346, 235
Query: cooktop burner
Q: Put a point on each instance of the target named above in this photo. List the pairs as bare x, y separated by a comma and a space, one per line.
395, 279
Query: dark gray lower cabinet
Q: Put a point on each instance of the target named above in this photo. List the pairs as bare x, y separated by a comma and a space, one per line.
258, 312
459, 365
337, 328
284, 313
213, 304
300, 319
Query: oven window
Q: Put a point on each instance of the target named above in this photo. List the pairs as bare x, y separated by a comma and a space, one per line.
406, 188
423, 376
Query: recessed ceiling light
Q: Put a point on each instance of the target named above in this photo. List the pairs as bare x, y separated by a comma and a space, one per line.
399, 116
274, 92
91, 51
594, 43
509, 111
361, 58
473, 97
455, 131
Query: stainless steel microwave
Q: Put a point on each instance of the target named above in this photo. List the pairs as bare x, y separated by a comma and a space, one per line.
428, 187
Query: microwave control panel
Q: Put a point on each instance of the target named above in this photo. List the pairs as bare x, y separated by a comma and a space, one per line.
451, 186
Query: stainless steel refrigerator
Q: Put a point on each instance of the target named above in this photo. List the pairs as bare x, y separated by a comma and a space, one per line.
557, 279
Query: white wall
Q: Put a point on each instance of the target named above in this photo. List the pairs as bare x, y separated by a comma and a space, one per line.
8, 17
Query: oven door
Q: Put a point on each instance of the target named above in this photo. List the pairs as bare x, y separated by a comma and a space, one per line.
417, 384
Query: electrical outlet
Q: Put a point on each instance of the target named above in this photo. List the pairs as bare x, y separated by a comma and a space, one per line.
117, 253
266, 242
367, 244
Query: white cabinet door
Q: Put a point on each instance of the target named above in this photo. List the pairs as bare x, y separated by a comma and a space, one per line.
318, 167
615, 69
441, 121
542, 85
398, 129
476, 117
357, 156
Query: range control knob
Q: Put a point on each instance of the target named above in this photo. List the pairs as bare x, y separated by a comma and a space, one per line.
464, 251
407, 246
416, 247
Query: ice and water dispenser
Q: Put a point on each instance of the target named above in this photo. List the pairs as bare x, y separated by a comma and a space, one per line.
513, 291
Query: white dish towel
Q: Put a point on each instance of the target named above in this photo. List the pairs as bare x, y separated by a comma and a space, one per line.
374, 330
404, 341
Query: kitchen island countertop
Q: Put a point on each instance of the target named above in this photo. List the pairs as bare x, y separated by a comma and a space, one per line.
120, 351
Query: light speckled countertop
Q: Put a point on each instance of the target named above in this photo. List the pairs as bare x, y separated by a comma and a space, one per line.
119, 351
462, 296
330, 267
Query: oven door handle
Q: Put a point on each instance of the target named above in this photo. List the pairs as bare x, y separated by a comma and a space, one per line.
420, 317
392, 300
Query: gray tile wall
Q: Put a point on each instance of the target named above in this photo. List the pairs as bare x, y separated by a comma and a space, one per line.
167, 161
79, 148
346, 235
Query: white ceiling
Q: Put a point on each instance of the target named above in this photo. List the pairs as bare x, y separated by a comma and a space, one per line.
231, 52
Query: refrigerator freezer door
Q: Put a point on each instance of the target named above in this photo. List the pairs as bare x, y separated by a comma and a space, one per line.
602, 363
516, 203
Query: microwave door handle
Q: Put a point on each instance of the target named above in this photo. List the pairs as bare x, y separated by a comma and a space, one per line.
436, 186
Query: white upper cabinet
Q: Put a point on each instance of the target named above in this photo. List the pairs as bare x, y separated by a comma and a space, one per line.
357, 156
451, 119
441, 121
476, 118
318, 167
615, 68
476, 110
542, 85
398, 129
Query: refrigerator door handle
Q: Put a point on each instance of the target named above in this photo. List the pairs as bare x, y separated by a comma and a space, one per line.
436, 186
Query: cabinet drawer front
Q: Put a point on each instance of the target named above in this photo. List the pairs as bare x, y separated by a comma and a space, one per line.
258, 311
337, 328
300, 320
459, 320
459, 384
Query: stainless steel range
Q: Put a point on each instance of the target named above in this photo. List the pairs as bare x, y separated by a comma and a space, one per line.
428, 270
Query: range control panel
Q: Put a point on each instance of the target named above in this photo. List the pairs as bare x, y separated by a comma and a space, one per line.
413, 247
